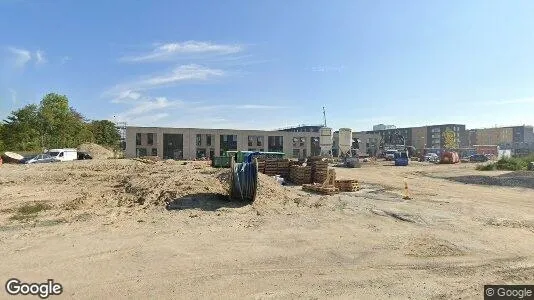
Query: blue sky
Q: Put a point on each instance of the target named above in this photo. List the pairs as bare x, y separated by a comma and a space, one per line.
270, 64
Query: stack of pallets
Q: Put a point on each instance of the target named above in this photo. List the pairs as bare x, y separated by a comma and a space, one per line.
326, 187
271, 167
320, 188
347, 185
261, 166
283, 168
319, 171
300, 175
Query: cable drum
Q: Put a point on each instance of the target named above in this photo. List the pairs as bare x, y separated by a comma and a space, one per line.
244, 181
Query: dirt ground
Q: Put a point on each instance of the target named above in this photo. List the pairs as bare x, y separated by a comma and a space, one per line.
127, 229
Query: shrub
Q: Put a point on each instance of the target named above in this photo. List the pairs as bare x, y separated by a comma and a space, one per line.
486, 167
511, 164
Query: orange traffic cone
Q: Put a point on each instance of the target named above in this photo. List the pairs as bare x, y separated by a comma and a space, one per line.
406, 194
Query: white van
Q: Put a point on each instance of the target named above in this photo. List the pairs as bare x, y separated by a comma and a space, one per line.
63, 154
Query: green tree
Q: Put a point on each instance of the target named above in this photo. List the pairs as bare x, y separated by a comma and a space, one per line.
21, 129
61, 125
105, 133
2, 144
449, 139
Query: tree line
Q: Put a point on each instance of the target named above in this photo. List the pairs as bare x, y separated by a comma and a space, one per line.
53, 123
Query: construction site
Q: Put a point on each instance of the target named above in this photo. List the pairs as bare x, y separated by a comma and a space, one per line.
259, 225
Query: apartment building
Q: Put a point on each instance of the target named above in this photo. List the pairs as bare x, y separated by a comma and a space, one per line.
519, 139
192, 143
431, 136
504, 137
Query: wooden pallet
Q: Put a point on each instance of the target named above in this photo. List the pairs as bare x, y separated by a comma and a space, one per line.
322, 189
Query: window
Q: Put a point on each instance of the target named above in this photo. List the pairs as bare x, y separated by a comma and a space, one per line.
259, 141
296, 152
150, 139
208, 140
138, 139
436, 129
154, 151
302, 141
251, 140
139, 152
199, 139
295, 142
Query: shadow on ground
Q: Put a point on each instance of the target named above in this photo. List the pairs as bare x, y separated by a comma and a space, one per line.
204, 201
514, 179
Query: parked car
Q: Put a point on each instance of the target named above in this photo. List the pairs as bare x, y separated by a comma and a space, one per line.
478, 158
63, 154
84, 155
431, 157
41, 158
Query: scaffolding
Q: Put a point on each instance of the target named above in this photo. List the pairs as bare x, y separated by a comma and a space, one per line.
121, 128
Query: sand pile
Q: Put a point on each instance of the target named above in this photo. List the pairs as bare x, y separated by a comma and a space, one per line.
96, 151
107, 187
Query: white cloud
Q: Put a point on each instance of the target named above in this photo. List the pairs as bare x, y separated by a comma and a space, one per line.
40, 57
181, 73
65, 59
170, 51
22, 56
328, 69
126, 95
192, 72
148, 106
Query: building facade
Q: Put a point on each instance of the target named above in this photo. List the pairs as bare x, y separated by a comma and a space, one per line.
519, 139
194, 143
452, 136
432, 136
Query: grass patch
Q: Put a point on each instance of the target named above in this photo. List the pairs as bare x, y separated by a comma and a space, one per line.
508, 164
486, 167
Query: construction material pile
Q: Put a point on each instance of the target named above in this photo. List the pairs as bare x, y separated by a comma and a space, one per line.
326, 187
300, 175
127, 185
272, 167
261, 166
96, 151
319, 169
347, 185
320, 188
11, 157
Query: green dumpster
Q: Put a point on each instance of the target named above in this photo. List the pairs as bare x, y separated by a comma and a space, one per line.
221, 162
